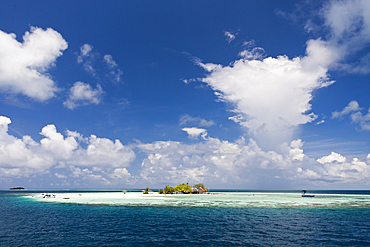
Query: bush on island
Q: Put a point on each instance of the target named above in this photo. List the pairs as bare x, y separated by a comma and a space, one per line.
183, 188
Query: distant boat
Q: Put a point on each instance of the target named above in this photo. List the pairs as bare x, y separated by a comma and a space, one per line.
65, 189
305, 195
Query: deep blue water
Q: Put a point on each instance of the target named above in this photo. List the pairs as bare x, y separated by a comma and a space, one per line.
25, 222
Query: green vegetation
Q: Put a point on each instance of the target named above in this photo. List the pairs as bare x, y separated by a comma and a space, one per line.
17, 188
200, 186
184, 189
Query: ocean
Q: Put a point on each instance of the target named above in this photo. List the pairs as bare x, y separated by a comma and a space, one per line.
249, 218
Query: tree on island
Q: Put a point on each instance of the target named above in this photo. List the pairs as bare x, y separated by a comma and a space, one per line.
183, 188
17, 188
200, 186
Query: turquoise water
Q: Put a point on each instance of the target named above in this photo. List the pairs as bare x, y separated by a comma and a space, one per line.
273, 219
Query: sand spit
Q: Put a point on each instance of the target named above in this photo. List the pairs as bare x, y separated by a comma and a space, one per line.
226, 199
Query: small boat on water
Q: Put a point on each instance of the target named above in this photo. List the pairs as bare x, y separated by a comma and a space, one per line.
305, 195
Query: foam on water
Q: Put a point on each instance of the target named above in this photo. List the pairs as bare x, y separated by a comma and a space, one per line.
228, 199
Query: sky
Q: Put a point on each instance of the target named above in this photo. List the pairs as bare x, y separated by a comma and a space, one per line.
232, 94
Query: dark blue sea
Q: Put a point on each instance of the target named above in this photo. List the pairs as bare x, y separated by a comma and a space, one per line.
25, 222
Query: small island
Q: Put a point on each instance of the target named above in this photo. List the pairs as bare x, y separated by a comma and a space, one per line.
181, 189
17, 188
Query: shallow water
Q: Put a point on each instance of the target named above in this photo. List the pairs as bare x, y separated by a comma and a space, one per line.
226, 219
226, 199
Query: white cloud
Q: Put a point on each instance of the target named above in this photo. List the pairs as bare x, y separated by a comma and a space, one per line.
60, 175
200, 122
87, 58
92, 63
24, 66
83, 94
230, 36
250, 43
110, 62
357, 117
85, 52
213, 161
219, 163
74, 159
55, 143
352, 106
114, 72
255, 53
103, 152
24, 157
332, 158
271, 96
20, 157
336, 168
296, 151
195, 132
120, 173
362, 120
349, 26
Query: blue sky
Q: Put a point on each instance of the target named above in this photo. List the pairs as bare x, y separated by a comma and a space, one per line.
130, 94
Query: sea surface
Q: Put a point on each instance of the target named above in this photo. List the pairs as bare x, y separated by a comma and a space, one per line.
242, 218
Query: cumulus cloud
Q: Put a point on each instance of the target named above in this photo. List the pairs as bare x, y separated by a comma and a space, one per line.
332, 158
83, 94
24, 66
78, 160
120, 173
103, 152
195, 132
335, 167
296, 151
25, 157
219, 163
55, 142
271, 95
20, 157
186, 119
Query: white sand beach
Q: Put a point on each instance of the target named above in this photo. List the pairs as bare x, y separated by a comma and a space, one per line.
228, 199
